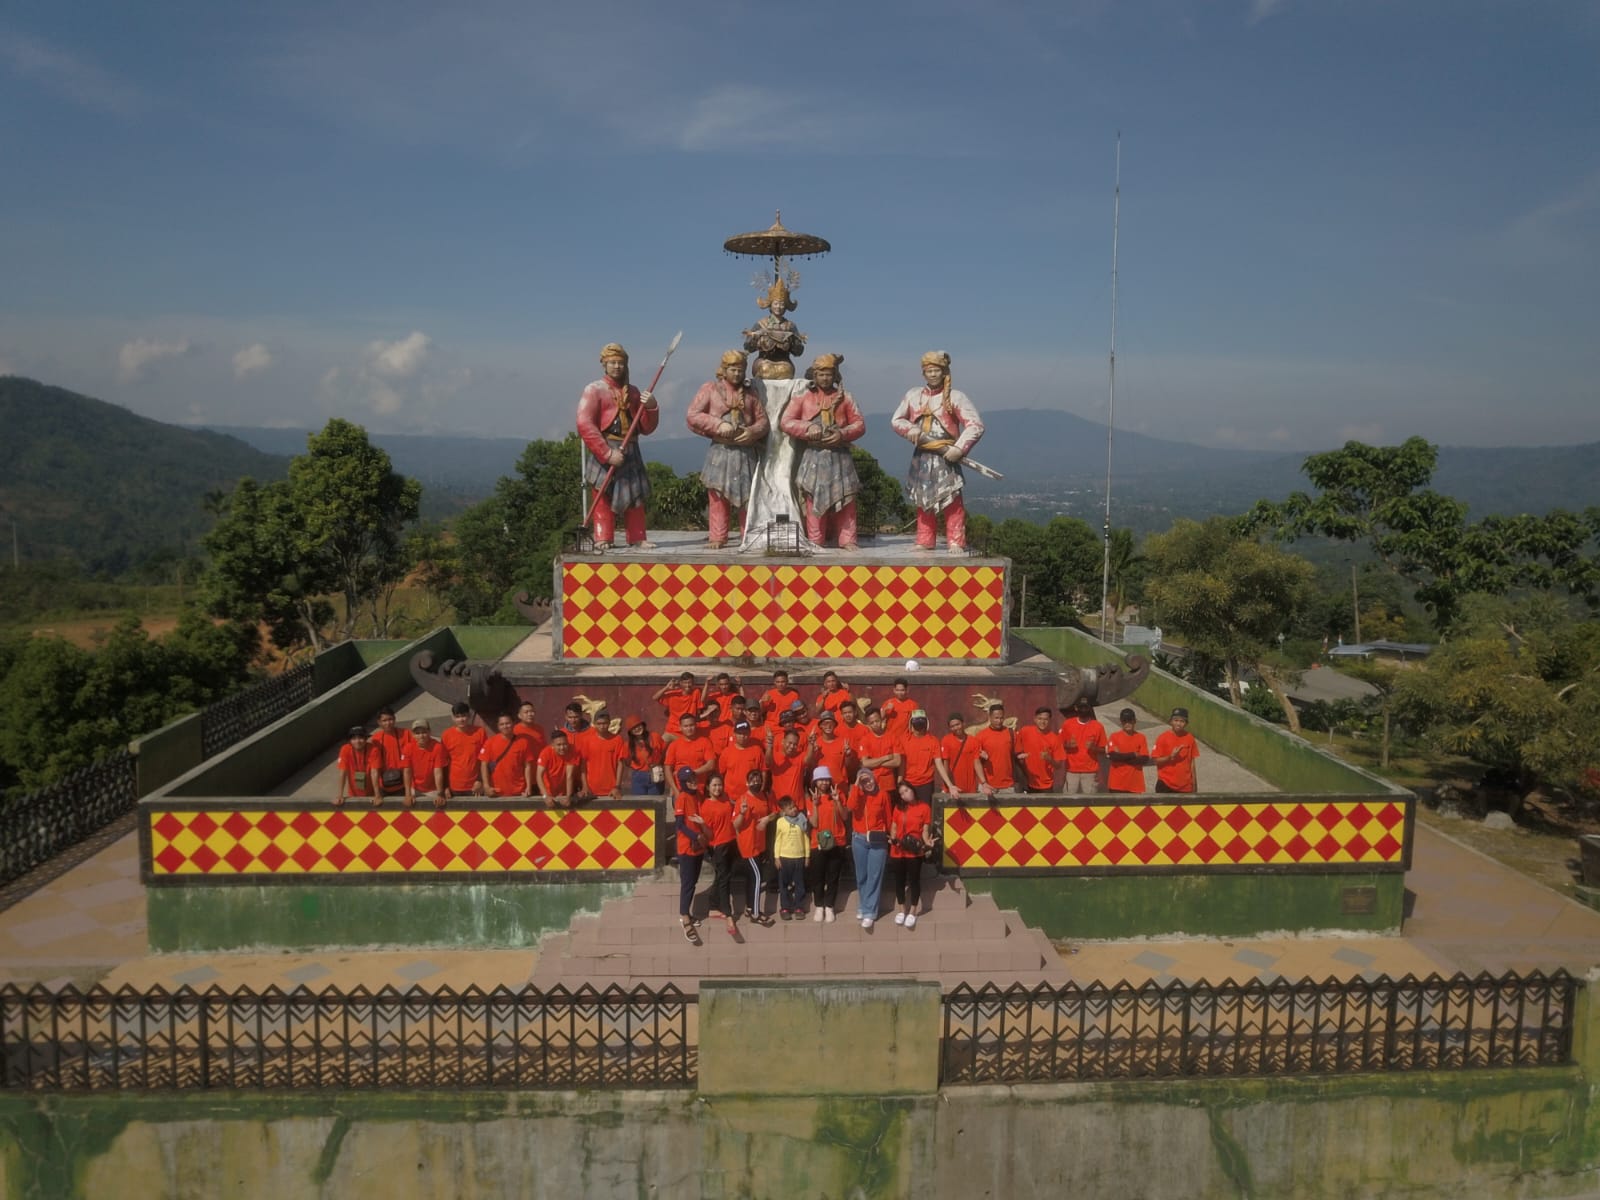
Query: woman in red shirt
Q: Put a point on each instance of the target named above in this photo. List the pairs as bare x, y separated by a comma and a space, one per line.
908, 816
751, 816
646, 758
724, 842
827, 814
869, 843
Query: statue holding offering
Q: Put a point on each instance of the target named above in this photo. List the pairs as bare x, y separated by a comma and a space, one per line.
943, 425
775, 339
824, 419
728, 411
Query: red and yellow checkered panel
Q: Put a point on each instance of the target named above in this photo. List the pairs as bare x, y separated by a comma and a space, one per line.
1221, 833
633, 609
235, 843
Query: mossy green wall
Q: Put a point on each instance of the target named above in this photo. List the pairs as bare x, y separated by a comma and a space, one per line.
162, 756
1484, 1135
1285, 761
1216, 905
288, 917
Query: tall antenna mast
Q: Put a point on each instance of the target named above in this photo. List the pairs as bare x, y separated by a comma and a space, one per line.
1111, 403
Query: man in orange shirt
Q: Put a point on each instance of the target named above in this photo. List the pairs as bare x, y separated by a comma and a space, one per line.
462, 741
602, 753
1127, 750
833, 693
833, 751
997, 753
776, 700
851, 727
739, 759
393, 742
880, 751
679, 698
426, 764
1039, 752
923, 758
505, 767
723, 693
359, 764
721, 732
1174, 756
558, 769
530, 729
897, 709
960, 754
690, 749
1083, 739
791, 765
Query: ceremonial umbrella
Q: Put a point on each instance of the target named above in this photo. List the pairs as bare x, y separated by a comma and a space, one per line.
777, 243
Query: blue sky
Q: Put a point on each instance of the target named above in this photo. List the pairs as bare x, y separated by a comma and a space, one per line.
1339, 219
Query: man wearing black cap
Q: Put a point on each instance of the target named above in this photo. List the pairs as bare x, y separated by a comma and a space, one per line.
1127, 751
1174, 756
738, 759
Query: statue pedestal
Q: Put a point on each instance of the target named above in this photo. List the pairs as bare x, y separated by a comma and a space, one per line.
772, 491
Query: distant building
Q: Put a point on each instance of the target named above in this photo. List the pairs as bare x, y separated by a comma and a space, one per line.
1386, 651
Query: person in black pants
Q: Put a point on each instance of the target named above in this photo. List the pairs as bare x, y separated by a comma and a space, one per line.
718, 815
828, 815
691, 829
911, 818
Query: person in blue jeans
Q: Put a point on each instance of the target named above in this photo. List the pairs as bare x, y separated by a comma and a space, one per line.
869, 843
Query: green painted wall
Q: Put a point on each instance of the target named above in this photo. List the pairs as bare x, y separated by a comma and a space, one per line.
333, 666
162, 756
1280, 758
1485, 1135
1125, 906
259, 763
288, 917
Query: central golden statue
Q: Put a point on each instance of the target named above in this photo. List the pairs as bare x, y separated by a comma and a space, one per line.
775, 339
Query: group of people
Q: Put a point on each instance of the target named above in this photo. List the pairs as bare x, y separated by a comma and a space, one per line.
777, 791
940, 422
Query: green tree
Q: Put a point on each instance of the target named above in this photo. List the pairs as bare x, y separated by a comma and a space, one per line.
676, 501
1228, 596
1061, 562
1379, 495
881, 504
336, 526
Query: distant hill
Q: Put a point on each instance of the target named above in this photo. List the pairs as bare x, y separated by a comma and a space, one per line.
88, 480
1055, 462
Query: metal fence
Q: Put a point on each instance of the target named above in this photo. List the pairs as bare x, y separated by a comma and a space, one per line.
1124, 1031
37, 826
98, 1040
235, 718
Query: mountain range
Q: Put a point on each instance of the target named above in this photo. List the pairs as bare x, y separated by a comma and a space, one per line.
91, 480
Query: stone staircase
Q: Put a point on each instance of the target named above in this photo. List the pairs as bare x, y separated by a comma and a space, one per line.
961, 937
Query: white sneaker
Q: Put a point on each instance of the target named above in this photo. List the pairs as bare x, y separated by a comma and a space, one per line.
911, 920
816, 914
866, 923
829, 915
899, 918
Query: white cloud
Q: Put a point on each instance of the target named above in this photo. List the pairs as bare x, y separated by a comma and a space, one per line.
254, 357
1260, 10
68, 75
383, 399
136, 357
399, 360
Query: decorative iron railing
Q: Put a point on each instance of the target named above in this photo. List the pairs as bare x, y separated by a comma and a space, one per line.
1339, 1026
98, 1040
37, 826
236, 717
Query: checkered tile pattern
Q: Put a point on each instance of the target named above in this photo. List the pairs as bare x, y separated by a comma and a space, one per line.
633, 609
1195, 834
219, 842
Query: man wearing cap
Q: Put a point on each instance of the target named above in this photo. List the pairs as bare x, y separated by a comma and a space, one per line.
923, 758
728, 411
1174, 756
1127, 750
426, 764
943, 426
738, 759
608, 410
1083, 745
824, 419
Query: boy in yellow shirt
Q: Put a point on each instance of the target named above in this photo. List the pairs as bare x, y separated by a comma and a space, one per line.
791, 847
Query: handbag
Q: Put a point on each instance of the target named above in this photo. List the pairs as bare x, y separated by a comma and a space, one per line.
913, 845
825, 839
392, 777
878, 838
658, 774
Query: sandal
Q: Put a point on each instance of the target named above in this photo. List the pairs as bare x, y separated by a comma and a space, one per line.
733, 930
690, 933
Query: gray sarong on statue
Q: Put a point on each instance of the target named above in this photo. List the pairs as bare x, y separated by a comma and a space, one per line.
729, 470
932, 482
629, 486
827, 475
